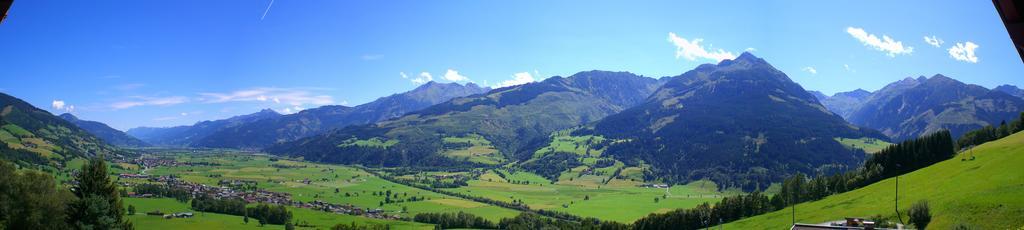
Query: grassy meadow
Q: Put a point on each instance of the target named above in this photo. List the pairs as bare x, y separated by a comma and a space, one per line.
984, 193
624, 203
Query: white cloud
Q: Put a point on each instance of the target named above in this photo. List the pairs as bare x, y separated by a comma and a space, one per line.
184, 114
404, 76
517, 79
847, 67
290, 110
691, 50
964, 52
291, 96
57, 104
934, 41
454, 76
424, 77
750, 49
810, 70
61, 105
885, 44
141, 101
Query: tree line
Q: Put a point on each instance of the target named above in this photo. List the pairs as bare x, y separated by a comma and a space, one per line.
180, 194
30, 199
990, 133
454, 220
894, 160
264, 213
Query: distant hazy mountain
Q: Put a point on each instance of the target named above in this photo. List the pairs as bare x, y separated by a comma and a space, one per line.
318, 120
818, 94
912, 107
516, 120
1011, 90
733, 123
843, 103
108, 134
32, 136
188, 135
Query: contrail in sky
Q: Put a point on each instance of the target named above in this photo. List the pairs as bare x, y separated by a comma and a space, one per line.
267, 11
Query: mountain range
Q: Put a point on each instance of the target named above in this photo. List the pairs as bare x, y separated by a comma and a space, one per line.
514, 120
843, 103
188, 135
104, 132
912, 107
1011, 90
732, 123
309, 122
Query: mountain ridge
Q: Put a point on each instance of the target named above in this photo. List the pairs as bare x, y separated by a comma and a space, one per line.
314, 121
515, 119
105, 132
727, 122
186, 135
912, 107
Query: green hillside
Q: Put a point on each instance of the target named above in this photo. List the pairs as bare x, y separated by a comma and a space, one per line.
984, 193
32, 136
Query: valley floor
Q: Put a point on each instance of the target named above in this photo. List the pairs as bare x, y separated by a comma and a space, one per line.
618, 200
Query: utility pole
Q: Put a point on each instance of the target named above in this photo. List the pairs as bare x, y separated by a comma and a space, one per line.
897, 202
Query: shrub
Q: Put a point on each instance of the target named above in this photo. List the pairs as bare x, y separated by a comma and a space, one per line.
920, 214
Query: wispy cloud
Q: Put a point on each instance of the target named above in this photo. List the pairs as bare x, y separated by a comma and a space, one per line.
454, 76
964, 52
934, 41
291, 96
290, 110
691, 50
145, 101
267, 11
167, 118
129, 86
371, 57
517, 79
885, 44
421, 79
810, 70
847, 67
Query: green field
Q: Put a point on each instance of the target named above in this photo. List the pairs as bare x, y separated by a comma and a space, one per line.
624, 203
289, 176
369, 143
562, 141
480, 150
869, 145
984, 193
203, 220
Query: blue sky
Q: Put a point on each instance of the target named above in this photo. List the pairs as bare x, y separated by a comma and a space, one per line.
163, 63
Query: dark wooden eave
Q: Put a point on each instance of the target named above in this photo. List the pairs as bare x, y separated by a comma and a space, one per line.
1010, 12
5, 5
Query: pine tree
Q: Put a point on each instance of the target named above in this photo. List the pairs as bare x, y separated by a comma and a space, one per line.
99, 204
